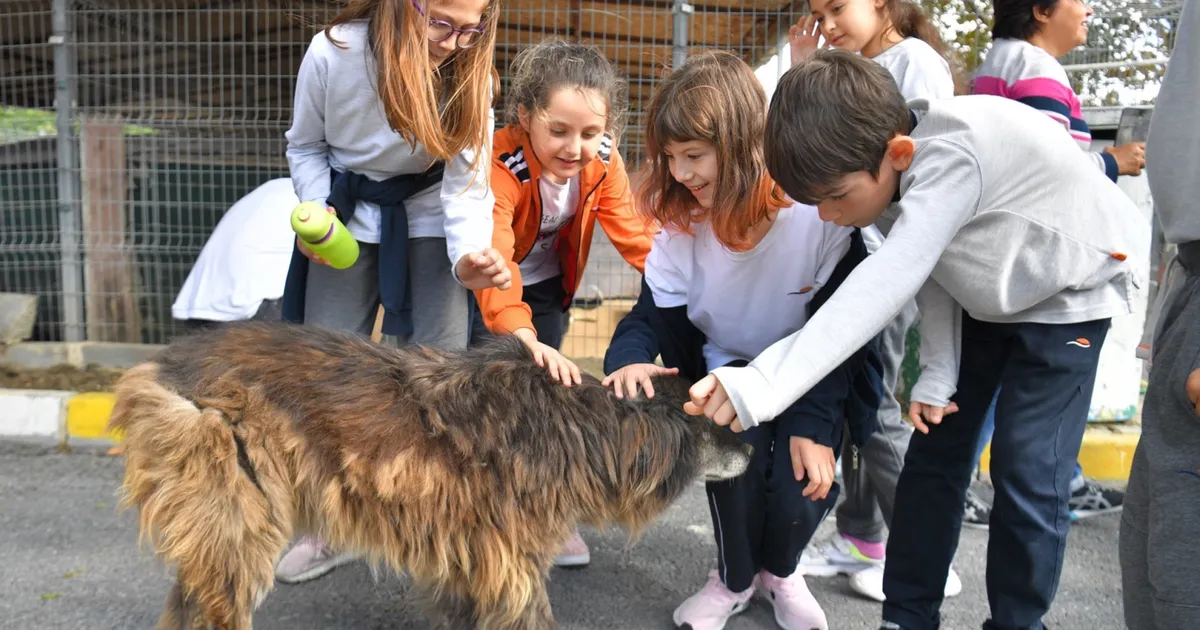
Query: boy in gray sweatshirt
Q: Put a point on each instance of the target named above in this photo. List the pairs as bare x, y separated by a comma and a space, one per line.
1160, 560
1018, 250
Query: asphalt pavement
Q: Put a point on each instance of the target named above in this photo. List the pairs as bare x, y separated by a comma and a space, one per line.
69, 561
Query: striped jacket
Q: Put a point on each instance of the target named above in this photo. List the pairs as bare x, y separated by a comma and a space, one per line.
1023, 72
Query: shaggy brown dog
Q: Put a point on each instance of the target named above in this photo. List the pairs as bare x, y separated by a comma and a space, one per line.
465, 470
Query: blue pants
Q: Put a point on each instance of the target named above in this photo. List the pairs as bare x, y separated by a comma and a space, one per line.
1045, 374
761, 521
989, 427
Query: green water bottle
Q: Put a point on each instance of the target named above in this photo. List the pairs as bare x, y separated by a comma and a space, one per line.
324, 234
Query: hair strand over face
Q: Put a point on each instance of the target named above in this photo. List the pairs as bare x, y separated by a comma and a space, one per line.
444, 109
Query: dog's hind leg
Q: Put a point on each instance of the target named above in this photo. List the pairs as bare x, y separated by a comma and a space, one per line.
181, 612
184, 612
204, 504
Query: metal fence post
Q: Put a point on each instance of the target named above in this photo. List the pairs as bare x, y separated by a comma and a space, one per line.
680, 11
65, 92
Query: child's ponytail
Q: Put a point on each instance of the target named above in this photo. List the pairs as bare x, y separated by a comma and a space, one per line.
910, 21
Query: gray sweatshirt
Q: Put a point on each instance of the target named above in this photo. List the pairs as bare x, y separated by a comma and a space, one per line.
1173, 147
1001, 215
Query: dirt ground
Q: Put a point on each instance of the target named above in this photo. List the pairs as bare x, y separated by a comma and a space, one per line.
97, 379
64, 377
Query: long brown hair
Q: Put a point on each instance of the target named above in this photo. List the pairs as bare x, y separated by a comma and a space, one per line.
444, 109
909, 20
713, 97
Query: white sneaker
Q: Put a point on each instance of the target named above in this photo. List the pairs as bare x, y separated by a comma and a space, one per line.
834, 556
869, 583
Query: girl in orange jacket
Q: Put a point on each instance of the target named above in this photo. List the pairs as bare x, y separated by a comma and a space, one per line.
555, 174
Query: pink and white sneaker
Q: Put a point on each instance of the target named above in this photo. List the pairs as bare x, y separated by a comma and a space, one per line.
795, 606
308, 560
574, 553
712, 607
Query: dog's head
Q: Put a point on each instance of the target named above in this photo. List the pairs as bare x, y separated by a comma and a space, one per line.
658, 450
722, 455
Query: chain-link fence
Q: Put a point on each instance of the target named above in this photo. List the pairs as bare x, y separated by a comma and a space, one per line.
128, 128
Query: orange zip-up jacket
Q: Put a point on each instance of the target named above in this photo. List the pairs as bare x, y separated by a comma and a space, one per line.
604, 196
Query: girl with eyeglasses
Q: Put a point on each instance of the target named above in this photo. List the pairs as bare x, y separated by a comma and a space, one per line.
391, 130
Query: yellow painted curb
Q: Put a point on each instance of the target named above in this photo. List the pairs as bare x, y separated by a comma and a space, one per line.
1106, 453
87, 416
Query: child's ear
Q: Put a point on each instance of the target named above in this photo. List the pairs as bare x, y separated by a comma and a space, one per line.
900, 151
523, 117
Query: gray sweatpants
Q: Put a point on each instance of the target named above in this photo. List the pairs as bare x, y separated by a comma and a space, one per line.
348, 299
869, 479
1160, 525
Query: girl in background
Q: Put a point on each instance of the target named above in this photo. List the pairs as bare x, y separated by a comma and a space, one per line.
1028, 37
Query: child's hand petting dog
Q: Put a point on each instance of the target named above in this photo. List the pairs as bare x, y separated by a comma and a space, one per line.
710, 399
560, 368
630, 377
817, 462
932, 414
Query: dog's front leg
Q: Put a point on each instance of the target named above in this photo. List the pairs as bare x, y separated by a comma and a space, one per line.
446, 610
536, 615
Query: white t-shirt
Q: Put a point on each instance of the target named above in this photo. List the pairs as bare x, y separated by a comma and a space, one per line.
745, 301
919, 70
245, 259
559, 203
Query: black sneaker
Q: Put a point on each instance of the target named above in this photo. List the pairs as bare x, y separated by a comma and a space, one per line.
1092, 499
977, 513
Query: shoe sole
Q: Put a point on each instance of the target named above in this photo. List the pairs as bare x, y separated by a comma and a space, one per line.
1079, 515
573, 562
317, 571
821, 570
740, 608
946, 593
978, 526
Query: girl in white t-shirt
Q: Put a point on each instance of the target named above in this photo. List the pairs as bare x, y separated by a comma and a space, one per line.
896, 34
742, 266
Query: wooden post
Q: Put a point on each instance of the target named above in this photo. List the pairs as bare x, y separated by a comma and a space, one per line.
112, 307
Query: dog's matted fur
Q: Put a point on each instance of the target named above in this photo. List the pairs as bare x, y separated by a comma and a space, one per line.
465, 470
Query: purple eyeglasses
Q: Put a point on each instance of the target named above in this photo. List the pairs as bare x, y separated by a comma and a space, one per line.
440, 30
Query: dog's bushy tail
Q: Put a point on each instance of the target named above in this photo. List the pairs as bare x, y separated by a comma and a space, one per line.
202, 511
